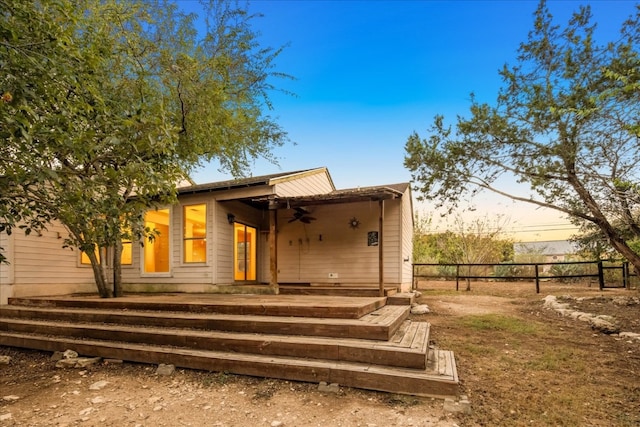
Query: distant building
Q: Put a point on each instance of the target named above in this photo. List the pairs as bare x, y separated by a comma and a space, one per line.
551, 250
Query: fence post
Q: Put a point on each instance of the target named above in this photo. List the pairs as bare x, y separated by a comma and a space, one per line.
414, 285
457, 277
601, 274
537, 280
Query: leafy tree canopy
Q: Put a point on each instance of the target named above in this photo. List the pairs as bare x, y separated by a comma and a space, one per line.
106, 104
479, 241
566, 124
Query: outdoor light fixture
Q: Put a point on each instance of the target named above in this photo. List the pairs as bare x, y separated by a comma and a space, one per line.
354, 223
231, 218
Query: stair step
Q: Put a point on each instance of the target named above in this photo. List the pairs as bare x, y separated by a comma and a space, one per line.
258, 305
408, 349
405, 298
381, 324
439, 380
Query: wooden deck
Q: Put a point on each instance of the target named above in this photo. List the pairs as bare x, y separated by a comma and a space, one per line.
357, 342
269, 305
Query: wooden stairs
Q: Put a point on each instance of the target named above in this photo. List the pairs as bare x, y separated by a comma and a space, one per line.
353, 341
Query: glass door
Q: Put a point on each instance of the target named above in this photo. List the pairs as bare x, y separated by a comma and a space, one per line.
244, 254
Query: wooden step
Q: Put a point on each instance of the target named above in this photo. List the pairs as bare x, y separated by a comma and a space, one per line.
381, 324
349, 291
440, 380
407, 348
263, 305
403, 298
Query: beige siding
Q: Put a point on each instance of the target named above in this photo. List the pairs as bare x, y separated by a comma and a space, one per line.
307, 253
407, 240
41, 259
6, 270
40, 266
307, 184
392, 241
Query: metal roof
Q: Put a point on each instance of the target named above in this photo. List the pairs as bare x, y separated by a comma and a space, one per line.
351, 195
239, 182
374, 193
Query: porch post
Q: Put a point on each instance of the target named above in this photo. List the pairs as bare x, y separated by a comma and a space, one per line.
381, 250
273, 247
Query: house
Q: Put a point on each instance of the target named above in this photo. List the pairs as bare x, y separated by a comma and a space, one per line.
238, 236
548, 251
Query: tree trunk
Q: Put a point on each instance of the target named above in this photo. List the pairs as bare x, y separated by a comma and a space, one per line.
99, 275
601, 221
117, 269
623, 249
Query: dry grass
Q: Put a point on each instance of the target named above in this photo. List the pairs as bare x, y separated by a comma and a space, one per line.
523, 365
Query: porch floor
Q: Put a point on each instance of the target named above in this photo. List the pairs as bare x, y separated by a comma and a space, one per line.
324, 306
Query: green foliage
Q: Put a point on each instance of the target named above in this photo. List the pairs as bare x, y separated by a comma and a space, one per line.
568, 270
107, 104
593, 244
510, 272
421, 249
475, 242
565, 125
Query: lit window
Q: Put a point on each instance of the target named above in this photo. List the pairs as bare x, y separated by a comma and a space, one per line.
195, 233
84, 258
126, 257
156, 253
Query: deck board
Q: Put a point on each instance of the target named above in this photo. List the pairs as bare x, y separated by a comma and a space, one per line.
268, 305
364, 327
356, 350
394, 380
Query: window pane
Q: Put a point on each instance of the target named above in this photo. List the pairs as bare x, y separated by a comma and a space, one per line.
244, 254
195, 221
195, 233
156, 253
126, 256
84, 258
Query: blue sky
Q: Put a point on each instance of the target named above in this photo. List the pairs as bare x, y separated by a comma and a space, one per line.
369, 73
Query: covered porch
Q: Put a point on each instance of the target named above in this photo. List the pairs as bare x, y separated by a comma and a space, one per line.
286, 212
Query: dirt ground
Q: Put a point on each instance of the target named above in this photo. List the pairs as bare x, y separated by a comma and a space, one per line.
521, 364
518, 363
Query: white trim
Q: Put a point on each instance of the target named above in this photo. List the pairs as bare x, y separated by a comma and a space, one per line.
207, 205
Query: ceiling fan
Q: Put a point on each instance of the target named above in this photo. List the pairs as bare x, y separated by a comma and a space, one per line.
302, 215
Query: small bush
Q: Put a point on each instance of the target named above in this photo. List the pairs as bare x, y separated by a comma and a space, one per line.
568, 270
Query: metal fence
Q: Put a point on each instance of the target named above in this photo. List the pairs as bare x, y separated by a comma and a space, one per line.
607, 273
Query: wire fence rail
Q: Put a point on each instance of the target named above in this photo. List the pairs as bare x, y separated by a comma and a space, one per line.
607, 273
